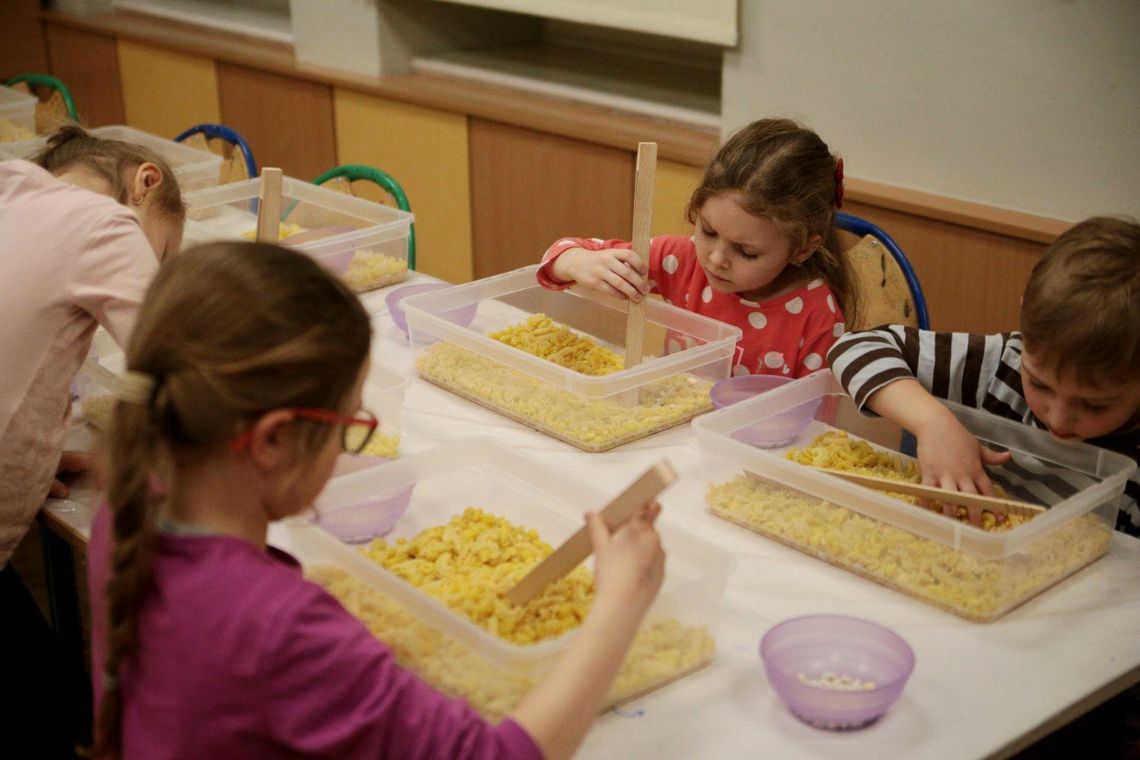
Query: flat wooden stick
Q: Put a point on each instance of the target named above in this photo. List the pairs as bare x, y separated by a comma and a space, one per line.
269, 206
576, 548
941, 495
642, 219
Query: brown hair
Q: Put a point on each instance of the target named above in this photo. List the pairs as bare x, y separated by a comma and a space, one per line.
786, 173
228, 331
72, 145
1080, 310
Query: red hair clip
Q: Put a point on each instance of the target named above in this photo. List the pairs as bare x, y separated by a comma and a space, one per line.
839, 183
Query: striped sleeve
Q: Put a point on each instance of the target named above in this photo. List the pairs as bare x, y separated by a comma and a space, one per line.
959, 367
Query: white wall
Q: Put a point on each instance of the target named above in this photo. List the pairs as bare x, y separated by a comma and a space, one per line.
1031, 105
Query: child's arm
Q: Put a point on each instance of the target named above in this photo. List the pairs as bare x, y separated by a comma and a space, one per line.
897, 372
608, 267
630, 567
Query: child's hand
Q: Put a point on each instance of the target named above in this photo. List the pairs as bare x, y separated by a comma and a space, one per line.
630, 563
72, 462
613, 271
952, 458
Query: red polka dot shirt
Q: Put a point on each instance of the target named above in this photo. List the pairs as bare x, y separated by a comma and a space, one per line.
787, 335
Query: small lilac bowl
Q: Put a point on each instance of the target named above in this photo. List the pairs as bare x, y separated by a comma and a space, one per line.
800, 654
461, 316
771, 432
355, 511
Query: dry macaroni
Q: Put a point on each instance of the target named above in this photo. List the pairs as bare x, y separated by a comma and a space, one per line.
588, 423
467, 564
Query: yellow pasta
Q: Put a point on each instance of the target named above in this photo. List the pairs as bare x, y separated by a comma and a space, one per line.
542, 336
284, 230
836, 450
593, 424
468, 564
953, 579
370, 270
12, 132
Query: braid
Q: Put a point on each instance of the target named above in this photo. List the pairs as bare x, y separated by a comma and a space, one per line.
133, 455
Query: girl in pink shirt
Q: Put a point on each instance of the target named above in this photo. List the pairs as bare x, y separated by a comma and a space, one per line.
764, 255
244, 374
82, 226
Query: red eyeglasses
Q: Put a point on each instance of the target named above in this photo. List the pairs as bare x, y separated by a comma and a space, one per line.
354, 436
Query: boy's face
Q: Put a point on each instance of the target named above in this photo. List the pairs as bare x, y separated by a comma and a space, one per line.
1072, 410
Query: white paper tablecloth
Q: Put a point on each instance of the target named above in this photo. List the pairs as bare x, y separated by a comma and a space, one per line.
975, 690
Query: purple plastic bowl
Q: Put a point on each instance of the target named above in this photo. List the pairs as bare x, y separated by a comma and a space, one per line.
361, 521
461, 316
771, 432
815, 645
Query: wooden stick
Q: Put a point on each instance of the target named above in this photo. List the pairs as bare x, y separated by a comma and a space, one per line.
269, 206
639, 242
941, 495
576, 548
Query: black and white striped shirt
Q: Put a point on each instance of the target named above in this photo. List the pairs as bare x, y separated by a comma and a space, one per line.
981, 371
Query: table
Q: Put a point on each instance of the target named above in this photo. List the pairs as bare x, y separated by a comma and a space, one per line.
978, 690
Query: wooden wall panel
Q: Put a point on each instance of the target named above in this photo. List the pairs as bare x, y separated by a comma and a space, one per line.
287, 122
972, 279
22, 44
165, 93
88, 64
672, 190
530, 188
425, 150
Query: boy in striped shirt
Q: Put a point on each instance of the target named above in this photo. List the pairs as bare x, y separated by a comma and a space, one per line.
1073, 369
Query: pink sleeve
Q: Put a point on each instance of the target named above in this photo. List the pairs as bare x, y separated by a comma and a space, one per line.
112, 274
335, 691
561, 246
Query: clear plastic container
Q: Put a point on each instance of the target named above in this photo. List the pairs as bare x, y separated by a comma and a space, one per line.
977, 574
448, 650
17, 119
193, 168
364, 242
683, 355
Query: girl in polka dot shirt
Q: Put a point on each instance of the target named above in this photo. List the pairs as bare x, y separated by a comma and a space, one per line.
764, 255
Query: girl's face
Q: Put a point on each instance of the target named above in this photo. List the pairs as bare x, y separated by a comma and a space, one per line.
1072, 410
163, 231
742, 253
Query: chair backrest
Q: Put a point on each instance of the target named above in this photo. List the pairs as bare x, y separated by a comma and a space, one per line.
238, 163
889, 291
340, 178
55, 107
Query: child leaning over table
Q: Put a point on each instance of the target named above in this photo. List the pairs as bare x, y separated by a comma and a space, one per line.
1073, 369
764, 255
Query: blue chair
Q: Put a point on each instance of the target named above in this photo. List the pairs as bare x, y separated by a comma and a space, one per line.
861, 227
228, 136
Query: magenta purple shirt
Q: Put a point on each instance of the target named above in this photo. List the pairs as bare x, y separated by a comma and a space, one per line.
241, 657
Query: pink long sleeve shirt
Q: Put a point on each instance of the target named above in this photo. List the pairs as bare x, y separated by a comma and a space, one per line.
70, 259
787, 335
241, 657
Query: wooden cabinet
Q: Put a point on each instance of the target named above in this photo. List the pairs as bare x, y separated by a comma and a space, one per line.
22, 46
425, 150
287, 121
165, 93
530, 188
88, 64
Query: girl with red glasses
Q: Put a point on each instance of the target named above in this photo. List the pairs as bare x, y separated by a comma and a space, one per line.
244, 384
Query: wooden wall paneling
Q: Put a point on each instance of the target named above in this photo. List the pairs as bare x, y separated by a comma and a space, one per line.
972, 279
288, 122
22, 44
165, 93
530, 188
425, 150
88, 64
673, 188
